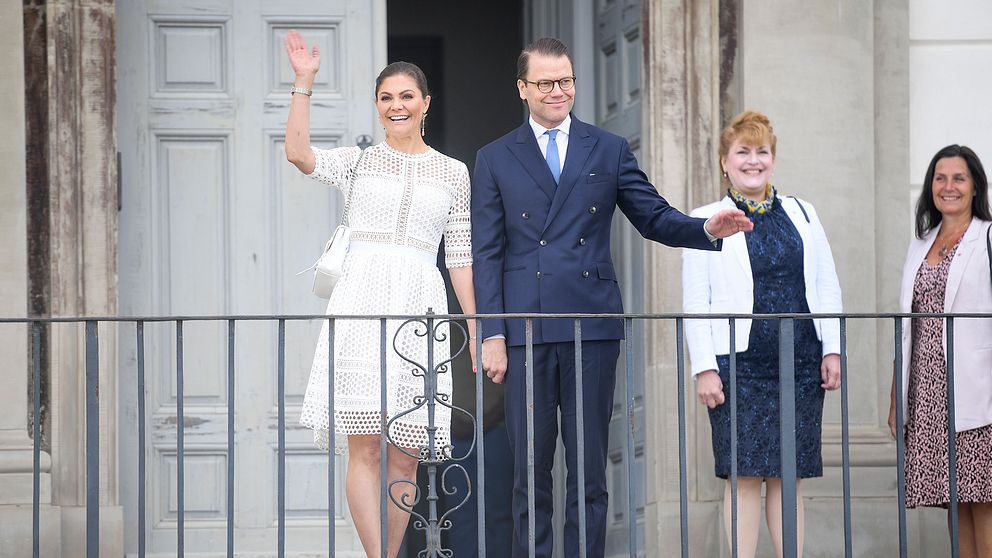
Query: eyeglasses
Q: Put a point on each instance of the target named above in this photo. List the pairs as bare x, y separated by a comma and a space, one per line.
547, 85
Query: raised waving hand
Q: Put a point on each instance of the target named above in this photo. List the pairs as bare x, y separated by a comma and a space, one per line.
305, 62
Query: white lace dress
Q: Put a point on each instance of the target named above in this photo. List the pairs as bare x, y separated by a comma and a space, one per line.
401, 206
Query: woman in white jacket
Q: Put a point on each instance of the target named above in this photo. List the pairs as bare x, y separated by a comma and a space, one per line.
784, 265
947, 270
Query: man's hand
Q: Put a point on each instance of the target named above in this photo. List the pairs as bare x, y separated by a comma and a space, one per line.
709, 388
727, 222
830, 371
494, 358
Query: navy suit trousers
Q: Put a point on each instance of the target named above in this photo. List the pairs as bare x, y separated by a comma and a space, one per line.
554, 391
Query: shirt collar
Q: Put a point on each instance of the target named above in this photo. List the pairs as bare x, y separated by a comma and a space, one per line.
539, 130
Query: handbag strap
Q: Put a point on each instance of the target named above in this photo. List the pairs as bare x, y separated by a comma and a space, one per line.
351, 186
988, 247
801, 208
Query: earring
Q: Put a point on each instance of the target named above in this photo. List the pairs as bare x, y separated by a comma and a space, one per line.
725, 174
423, 125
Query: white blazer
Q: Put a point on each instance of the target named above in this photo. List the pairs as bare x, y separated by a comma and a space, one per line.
969, 289
721, 283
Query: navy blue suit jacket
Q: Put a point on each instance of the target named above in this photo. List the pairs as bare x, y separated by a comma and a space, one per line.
542, 247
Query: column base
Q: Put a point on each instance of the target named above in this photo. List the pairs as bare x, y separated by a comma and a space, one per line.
74, 531
16, 531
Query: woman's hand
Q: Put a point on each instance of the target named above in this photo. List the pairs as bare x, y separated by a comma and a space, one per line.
709, 388
830, 371
305, 62
472, 353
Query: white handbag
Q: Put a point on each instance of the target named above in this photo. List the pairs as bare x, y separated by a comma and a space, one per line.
330, 266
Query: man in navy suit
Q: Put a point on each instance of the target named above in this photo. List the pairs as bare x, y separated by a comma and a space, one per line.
543, 200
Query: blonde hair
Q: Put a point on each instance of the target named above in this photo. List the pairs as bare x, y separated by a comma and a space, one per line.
749, 128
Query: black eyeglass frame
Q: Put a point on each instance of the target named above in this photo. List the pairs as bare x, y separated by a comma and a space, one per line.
553, 82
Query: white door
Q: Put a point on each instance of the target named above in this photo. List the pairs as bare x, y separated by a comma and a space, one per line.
618, 109
215, 221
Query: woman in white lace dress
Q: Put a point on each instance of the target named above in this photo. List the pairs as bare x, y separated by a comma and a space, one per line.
404, 198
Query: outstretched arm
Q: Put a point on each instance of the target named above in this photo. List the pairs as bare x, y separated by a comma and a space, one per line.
656, 220
305, 64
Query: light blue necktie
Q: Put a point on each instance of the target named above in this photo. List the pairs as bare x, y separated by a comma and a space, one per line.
554, 163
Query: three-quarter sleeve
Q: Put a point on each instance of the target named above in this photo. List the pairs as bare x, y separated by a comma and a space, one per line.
458, 231
333, 166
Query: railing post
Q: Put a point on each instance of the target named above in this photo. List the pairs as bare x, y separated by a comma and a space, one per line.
580, 439
952, 469
231, 398
139, 339
480, 456
787, 430
384, 426
330, 438
683, 476
430, 392
733, 438
900, 436
36, 439
92, 440
529, 379
628, 399
281, 440
180, 445
845, 439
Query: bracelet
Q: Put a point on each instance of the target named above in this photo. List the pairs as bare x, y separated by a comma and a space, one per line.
472, 338
301, 91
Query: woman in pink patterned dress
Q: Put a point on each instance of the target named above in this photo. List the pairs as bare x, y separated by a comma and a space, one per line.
948, 270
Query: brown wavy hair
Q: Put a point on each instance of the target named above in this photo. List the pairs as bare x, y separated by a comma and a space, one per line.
750, 128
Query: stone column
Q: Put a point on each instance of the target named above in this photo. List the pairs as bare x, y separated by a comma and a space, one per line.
16, 454
834, 80
681, 123
73, 234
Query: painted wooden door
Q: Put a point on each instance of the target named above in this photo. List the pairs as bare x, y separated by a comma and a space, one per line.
618, 109
214, 221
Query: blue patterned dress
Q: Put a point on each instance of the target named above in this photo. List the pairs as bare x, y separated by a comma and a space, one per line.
776, 254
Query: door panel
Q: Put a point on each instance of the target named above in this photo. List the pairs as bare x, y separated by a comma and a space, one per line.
618, 109
215, 221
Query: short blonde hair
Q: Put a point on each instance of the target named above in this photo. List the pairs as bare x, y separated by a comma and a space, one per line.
750, 128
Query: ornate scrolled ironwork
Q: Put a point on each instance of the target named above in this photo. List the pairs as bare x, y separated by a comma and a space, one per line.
430, 456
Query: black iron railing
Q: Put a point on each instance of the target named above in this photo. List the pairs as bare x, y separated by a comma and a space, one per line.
432, 456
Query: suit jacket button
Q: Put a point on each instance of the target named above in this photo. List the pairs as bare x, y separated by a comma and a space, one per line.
538, 274
585, 274
592, 209
525, 215
582, 242
544, 242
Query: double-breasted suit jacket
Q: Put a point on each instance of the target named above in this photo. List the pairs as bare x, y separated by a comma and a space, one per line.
542, 247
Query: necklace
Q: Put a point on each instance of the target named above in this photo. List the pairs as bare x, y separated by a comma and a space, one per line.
947, 245
752, 206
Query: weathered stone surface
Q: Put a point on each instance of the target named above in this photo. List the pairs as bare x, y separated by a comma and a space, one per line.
70, 234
